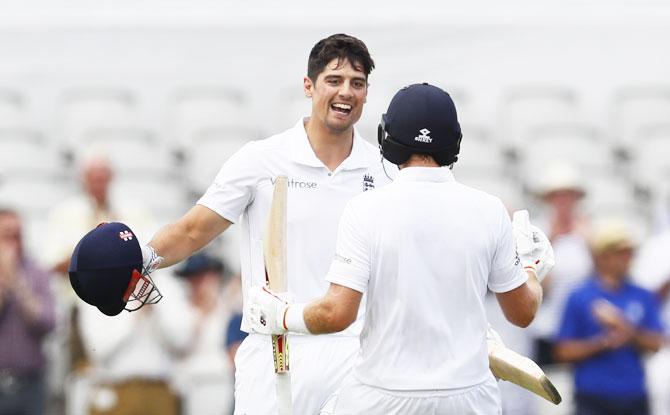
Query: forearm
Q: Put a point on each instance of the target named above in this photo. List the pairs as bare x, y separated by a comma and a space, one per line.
321, 318
572, 351
536, 291
647, 341
331, 313
176, 241
28, 301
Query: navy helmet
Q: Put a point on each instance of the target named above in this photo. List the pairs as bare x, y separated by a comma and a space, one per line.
421, 119
106, 270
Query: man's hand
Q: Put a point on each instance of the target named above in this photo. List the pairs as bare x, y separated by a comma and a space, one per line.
532, 245
267, 310
619, 331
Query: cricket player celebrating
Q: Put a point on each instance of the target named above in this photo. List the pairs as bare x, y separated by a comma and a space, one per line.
425, 249
327, 163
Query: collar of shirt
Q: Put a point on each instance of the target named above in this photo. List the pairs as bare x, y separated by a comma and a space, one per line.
302, 152
425, 174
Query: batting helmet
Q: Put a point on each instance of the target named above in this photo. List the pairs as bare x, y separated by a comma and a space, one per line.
421, 119
106, 270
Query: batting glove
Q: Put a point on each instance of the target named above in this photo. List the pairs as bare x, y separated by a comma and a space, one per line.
267, 310
150, 259
532, 245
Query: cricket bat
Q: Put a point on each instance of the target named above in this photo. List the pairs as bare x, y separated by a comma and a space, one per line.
274, 253
509, 365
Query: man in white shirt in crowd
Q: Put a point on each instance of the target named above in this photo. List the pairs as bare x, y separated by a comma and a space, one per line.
425, 249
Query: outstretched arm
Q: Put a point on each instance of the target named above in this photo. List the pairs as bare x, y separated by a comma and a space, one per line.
178, 240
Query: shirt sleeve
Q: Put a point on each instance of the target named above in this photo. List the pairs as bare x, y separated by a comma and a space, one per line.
351, 265
506, 270
234, 186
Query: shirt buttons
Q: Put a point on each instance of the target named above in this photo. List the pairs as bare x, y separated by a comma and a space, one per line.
330, 174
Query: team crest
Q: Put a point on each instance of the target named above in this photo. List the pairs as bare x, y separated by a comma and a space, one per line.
368, 182
126, 235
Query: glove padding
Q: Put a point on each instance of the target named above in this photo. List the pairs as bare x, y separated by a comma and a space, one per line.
150, 259
267, 310
532, 245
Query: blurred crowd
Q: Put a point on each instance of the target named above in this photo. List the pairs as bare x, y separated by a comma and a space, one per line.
601, 333
58, 355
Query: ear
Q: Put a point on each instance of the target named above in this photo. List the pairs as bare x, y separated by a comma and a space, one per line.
308, 86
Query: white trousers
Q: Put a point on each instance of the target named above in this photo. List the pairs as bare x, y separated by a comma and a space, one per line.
355, 398
318, 365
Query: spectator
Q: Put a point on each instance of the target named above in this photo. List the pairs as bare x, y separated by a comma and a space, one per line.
204, 374
561, 192
608, 323
132, 355
67, 222
651, 269
234, 335
26, 316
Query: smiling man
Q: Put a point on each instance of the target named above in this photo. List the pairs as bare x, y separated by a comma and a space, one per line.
327, 164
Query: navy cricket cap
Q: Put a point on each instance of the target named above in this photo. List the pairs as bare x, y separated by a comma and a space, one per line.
104, 263
422, 119
198, 263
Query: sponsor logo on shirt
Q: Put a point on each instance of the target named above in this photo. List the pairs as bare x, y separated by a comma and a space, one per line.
517, 260
368, 182
340, 258
298, 184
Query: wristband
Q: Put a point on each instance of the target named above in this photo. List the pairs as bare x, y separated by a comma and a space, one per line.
294, 320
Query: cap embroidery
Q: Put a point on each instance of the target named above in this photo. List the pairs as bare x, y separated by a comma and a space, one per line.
126, 235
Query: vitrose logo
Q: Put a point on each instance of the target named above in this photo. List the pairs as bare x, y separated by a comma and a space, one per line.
298, 184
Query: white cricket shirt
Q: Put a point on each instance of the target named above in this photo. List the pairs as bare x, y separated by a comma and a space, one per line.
425, 248
242, 192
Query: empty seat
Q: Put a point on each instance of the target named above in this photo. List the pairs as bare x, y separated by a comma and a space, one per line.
290, 104
27, 153
85, 109
524, 107
12, 109
198, 108
578, 143
609, 193
650, 156
131, 151
211, 148
480, 153
635, 108
33, 196
167, 200
505, 188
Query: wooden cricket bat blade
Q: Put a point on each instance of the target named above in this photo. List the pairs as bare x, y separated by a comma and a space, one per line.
274, 241
274, 254
509, 365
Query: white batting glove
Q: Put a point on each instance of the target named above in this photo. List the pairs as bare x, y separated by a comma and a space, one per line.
267, 310
532, 245
150, 259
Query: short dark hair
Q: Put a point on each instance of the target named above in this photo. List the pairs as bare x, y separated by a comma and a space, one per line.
339, 46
